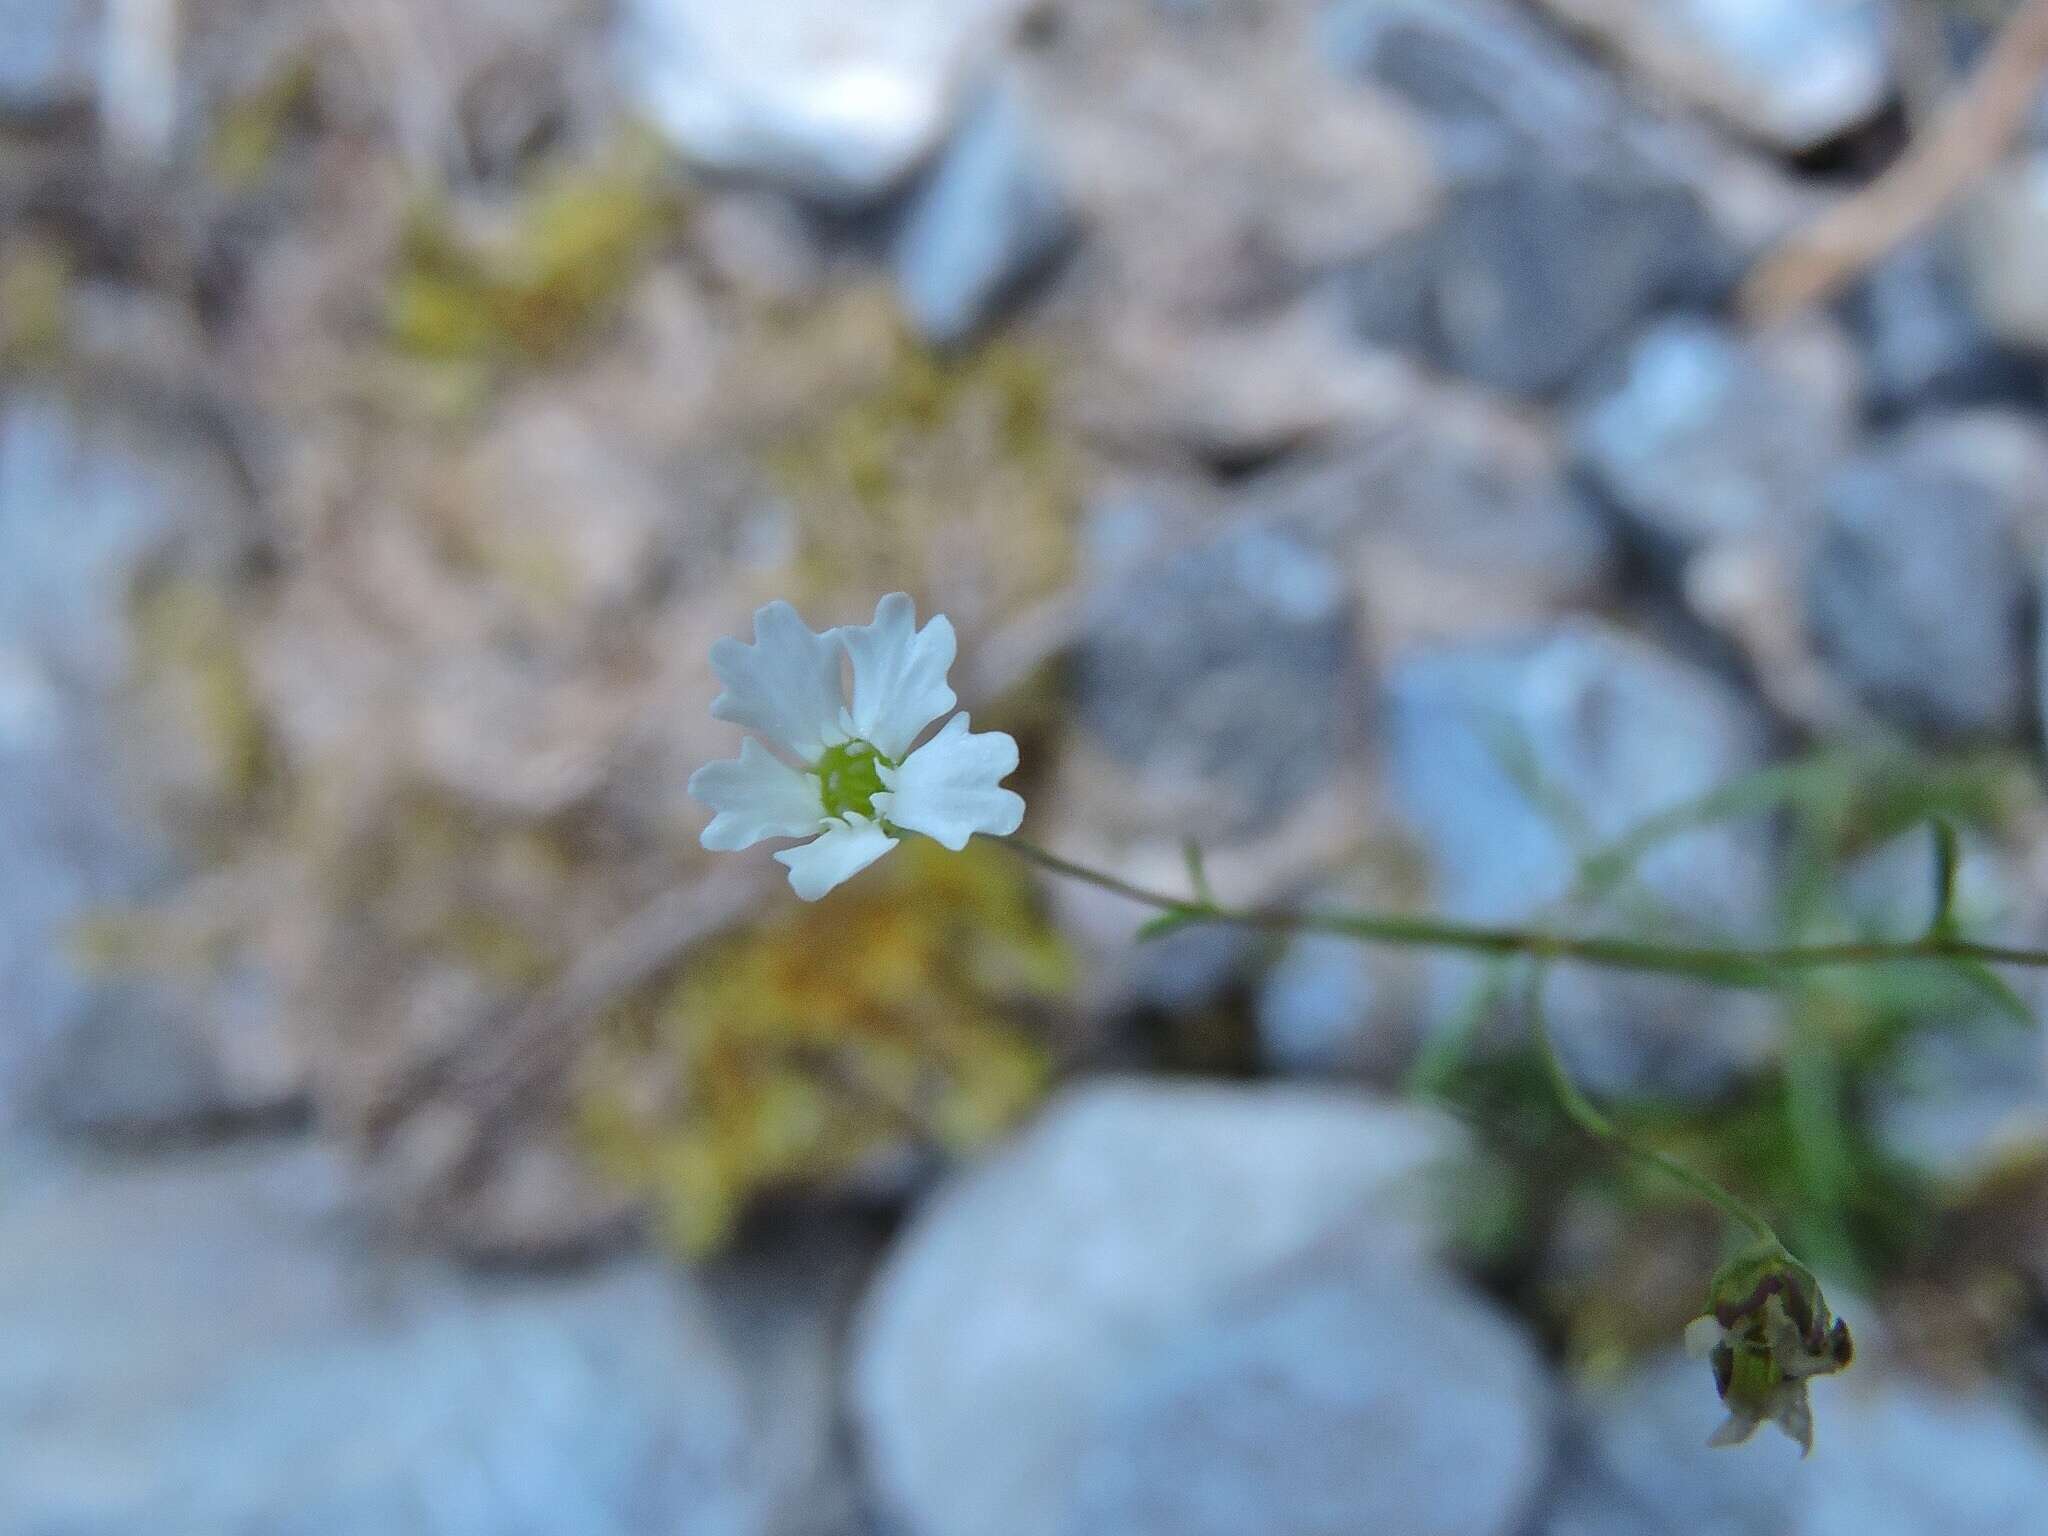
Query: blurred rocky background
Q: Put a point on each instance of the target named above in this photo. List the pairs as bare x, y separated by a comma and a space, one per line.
1335, 429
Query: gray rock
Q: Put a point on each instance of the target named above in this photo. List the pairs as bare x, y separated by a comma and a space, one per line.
1022, 1303
1925, 343
1258, 1425
992, 213
1706, 437
1637, 1461
1209, 668
1897, 1457
1966, 1091
108, 779
201, 1345
51, 58
1533, 270
1563, 223
1963, 1102
1917, 590
1486, 78
1456, 515
1511, 759
839, 103
2005, 236
764, 244
1329, 1005
1888, 892
1795, 73
1892, 1456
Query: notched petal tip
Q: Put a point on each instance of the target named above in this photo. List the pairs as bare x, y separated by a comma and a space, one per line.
755, 796
785, 685
949, 788
899, 674
895, 608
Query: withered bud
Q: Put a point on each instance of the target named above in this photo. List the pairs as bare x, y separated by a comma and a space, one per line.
1767, 1330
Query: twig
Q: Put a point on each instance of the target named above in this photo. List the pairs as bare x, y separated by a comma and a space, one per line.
492, 1070
536, 1044
1977, 127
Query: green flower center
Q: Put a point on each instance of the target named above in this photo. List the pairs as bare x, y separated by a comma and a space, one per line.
850, 776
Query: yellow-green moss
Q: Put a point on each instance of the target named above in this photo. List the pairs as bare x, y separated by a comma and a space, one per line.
135, 942
915, 467
34, 279
189, 651
560, 266
896, 1012
446, 880
251, 129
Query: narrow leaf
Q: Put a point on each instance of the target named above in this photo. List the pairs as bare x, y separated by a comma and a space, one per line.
1994, 989
1947, 856
1169, 922
1198, 874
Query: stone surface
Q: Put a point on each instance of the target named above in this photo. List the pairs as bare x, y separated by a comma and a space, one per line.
204, 1343
1023, 1303
1966, 1095
51, 54
1207, 666
1705, 437
1795, 73
992, 212
1892, 1456
1924, 342
1259, 1424
1509, 759
1216, 161
1917, 588
2005, 233
1249, 391
1637, 1462
839, 103
1957, 1107
121, 748
1532, 271
1562, 223
1487, 78
1331, 1006
1455, 517
1899, 1457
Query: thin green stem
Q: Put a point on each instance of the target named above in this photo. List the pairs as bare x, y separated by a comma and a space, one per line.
1743, 966
1752, 966
1589, 1117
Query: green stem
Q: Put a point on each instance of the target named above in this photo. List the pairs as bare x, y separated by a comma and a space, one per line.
1589, 1117
1752, 966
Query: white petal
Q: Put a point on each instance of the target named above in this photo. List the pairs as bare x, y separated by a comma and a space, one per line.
1735, 1430
899, 674
1702, 1334
947, 788
785, 685
756, 795
846, 848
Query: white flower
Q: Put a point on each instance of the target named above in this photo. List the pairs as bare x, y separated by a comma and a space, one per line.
862, 780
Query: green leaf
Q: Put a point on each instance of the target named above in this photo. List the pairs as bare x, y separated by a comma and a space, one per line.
1169, 922
1198, 874
1994, 989
1515, 756
1947, 856
1825, 777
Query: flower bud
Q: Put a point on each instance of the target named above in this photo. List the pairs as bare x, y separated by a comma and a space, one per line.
1767, 1329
